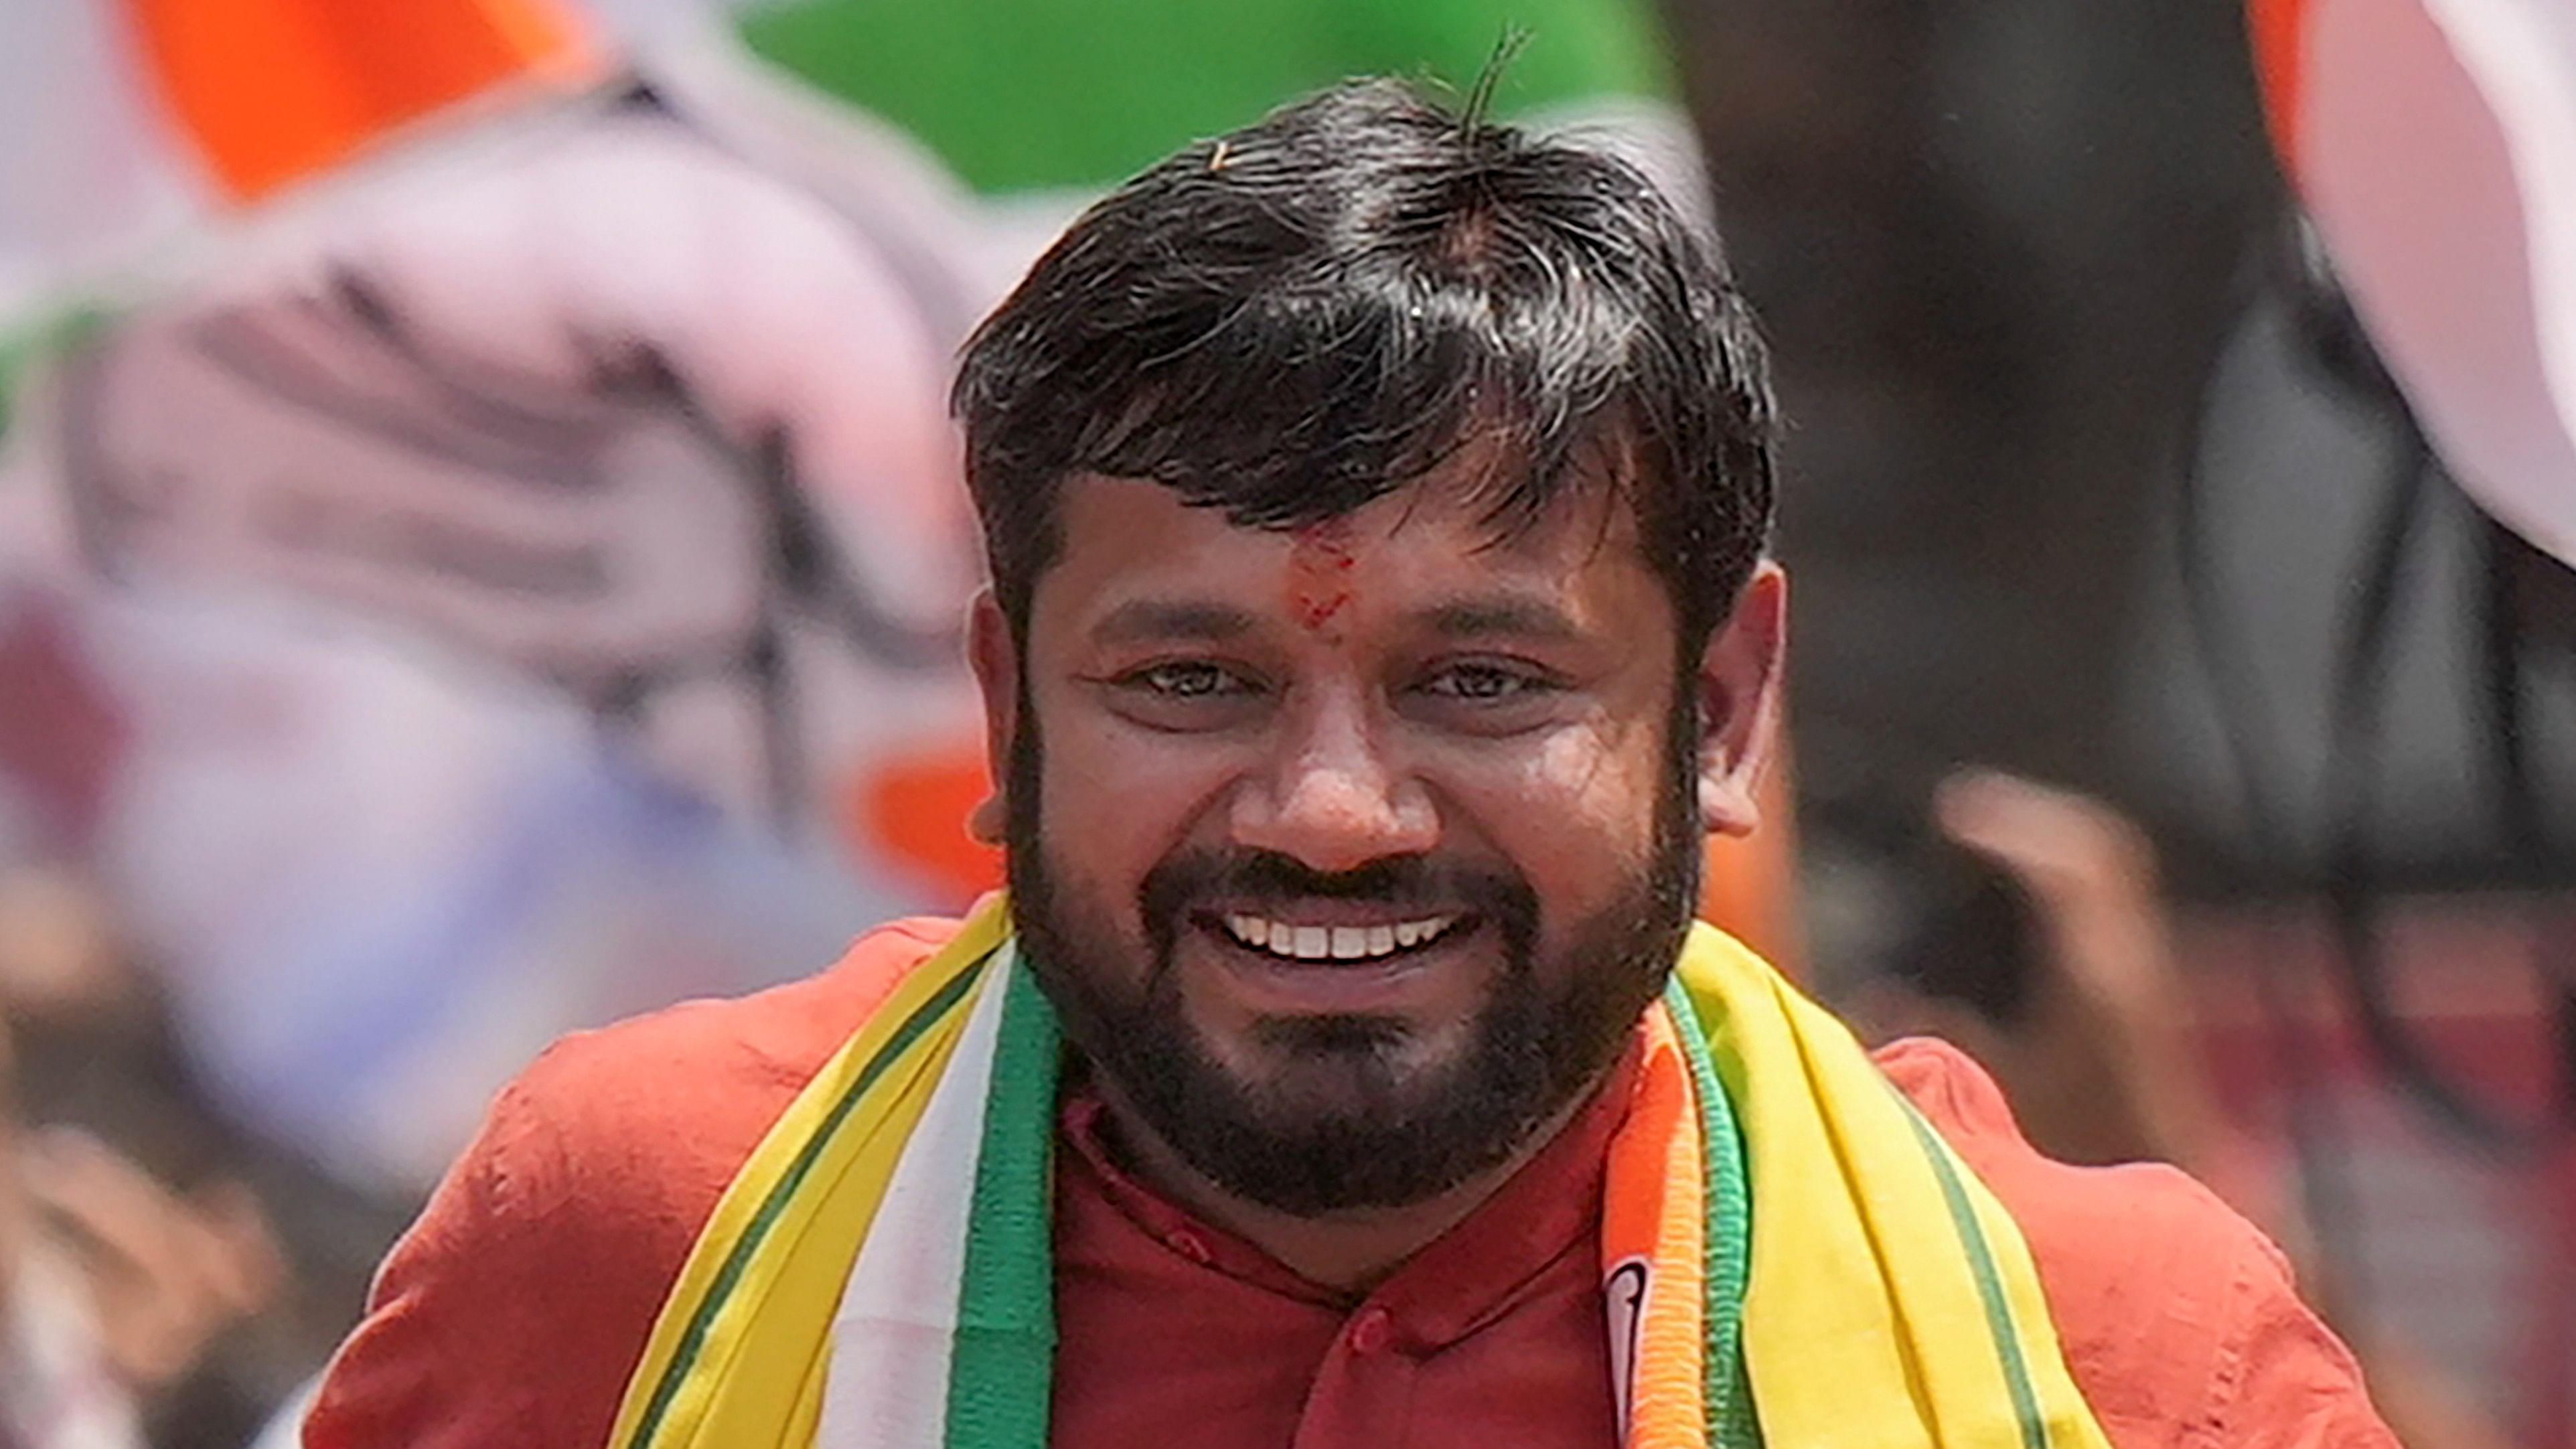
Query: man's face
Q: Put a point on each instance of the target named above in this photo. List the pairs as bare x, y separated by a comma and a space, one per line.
1348, 856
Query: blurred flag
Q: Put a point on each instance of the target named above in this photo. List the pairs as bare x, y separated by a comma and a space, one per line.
2434, 144
156, 112
270, 91
636, 397
641, 397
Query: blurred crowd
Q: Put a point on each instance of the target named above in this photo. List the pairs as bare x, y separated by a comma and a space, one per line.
150, 1294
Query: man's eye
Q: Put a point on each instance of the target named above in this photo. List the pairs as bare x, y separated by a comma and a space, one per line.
1482, 683
1186, 680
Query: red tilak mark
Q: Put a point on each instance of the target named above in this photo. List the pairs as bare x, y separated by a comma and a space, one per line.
1319, 573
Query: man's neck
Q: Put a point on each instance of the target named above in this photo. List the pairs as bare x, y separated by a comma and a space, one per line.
1350, 1251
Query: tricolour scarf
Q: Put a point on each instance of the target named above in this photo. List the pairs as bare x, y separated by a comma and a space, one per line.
1789, 1252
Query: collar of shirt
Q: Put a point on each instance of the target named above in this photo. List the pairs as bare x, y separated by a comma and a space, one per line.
1445, 1292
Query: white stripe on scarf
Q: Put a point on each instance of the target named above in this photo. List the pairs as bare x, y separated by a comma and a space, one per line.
888, 1387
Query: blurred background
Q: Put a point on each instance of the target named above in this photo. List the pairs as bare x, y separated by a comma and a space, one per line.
482, 554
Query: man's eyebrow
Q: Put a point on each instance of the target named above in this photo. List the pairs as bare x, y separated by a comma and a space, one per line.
1524, 618
1138, 620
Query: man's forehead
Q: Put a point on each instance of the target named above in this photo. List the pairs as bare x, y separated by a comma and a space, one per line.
1588, 521
1139, 563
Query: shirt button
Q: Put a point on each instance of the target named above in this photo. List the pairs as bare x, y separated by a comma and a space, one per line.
1371, 1331
1189, 1245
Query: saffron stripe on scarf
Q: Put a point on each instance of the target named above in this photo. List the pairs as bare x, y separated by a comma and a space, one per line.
1727, 1211
1653, 1216
945, 1000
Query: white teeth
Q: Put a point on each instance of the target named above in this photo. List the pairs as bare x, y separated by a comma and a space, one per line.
1338, 943
1423, 931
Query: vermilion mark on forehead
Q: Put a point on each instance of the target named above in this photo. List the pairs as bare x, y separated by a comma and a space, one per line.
1321, 573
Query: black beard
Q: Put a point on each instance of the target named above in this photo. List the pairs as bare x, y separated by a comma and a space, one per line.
1384, 1135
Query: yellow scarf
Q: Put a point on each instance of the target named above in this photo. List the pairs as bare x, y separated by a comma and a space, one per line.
1789, 1252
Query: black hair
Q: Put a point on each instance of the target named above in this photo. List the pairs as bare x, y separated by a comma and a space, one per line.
1292, 320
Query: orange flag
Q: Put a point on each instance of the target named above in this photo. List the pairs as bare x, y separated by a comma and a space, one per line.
2278, 29
272, 91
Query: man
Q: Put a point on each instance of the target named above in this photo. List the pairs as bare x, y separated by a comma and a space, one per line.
1375, 502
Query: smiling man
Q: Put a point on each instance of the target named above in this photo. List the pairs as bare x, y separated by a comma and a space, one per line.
1375, 502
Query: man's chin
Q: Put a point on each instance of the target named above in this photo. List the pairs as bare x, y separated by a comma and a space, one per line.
1311, 1072
1317, 1115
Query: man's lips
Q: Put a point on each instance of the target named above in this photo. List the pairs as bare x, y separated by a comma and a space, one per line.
1303, 938
1330, 932
1394, 979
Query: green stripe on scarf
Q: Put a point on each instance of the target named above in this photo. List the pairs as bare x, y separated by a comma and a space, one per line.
1002, 1374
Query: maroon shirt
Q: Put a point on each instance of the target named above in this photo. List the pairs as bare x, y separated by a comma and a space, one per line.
1175, 1333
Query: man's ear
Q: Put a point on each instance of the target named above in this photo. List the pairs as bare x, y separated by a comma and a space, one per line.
996, 658
1739, 692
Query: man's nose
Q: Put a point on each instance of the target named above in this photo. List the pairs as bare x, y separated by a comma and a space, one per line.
1331, 798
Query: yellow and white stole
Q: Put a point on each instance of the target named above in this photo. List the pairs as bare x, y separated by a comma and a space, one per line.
1789, 1252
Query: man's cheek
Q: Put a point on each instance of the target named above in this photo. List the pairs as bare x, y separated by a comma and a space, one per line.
1137, 797
1094, 875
